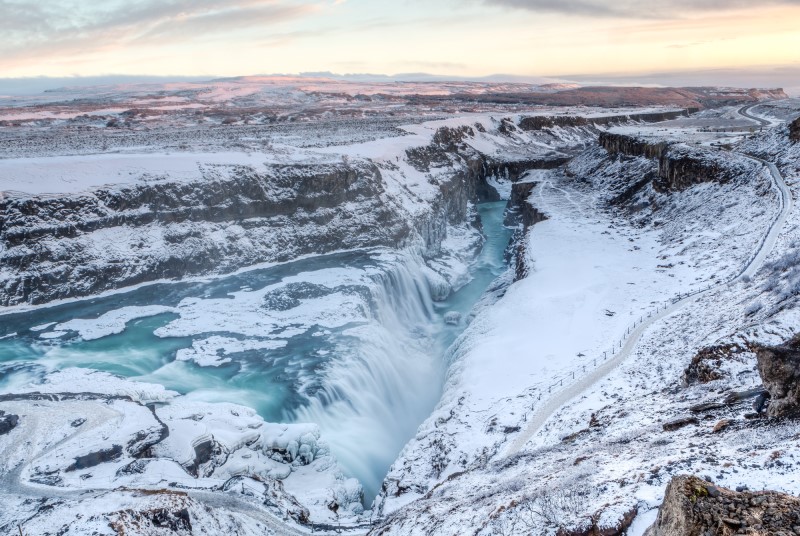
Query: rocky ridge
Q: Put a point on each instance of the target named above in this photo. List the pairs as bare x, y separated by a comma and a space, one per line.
679, 165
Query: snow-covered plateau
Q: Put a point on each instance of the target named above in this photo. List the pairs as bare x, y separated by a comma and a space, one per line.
434, 321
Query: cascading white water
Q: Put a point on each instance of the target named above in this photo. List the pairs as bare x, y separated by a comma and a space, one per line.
385, 377
352, 342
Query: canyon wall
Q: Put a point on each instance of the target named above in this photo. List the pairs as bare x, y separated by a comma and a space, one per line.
679, 166
68, 246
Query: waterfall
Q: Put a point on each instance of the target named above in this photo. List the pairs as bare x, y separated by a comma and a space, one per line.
386, 375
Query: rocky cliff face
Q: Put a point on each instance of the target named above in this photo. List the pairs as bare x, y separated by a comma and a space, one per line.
694, 507
779, 367
540, 122
78, 245
522, 213
679, 166
621, 144
233, 216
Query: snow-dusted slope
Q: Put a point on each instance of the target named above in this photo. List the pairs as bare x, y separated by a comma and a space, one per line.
607, 453
624, 235
413, 192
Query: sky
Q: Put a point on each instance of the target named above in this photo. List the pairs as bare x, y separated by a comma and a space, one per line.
593, 39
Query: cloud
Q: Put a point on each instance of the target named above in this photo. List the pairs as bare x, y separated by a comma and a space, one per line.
226, 20
642, 9
67, 25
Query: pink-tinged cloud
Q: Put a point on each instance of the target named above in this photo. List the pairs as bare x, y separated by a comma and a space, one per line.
641, 9
56, 23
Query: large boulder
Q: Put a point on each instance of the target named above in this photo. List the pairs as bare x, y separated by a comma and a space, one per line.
7, 422
694, 507
779, 367
794, 130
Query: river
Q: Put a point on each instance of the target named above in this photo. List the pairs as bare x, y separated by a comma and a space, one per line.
353, 342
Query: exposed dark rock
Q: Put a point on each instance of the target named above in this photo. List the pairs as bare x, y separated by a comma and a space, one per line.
521, 212
46, 478
49, 249
628, 193
7, 422
794, 130
706, 406
721, 426
274, 495
677, 424
540, 122
694, 507
211, 225
760, 402
621, 144
208, 455
288, 297
706, 363
513, 170
452, 139
134, 468
96, 458
779, 367
738, 396
172, 520
679, 166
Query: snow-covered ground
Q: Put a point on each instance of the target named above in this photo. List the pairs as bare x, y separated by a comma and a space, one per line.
606, 453
593, 275
606, 258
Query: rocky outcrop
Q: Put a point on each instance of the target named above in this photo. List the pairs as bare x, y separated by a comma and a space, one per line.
8, 422
694, 507
514, 170
541, 122
174, 520
92, 459
617, 144
679, 166
448, 148
524, 215
779, 367
794, 130
520, 211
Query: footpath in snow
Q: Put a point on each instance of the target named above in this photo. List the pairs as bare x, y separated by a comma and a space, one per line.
563, 395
